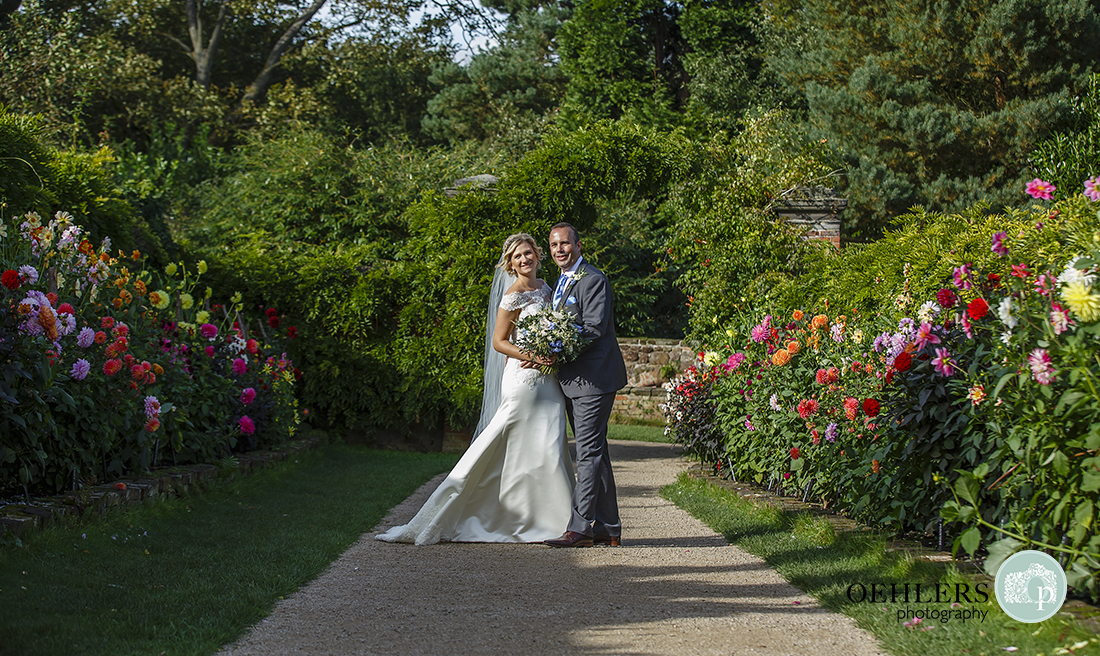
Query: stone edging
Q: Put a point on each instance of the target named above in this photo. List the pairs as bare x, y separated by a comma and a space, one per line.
21, 519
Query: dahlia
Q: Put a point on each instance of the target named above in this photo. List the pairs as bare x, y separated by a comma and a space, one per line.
80, 369
1081, 300
977, 308
1042, 370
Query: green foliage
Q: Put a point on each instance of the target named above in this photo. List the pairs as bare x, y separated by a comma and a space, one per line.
396, 320
910, 262
513, 85
727, 240
725, 46
36, 177
935, 106
1068, 158
622, 60
377, 88
89, 83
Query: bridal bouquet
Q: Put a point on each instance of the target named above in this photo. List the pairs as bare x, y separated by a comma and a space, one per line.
550, 333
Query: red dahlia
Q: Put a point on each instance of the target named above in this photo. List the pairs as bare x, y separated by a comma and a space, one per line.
977, 308
903, 361
10, 279
870, 407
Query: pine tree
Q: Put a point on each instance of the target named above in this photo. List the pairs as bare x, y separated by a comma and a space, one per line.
932, 102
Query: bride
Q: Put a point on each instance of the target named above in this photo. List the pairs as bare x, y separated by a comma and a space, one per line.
515, 482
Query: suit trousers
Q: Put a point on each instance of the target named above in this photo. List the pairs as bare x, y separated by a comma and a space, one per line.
595, 507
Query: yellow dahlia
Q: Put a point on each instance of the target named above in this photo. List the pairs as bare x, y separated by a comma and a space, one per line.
159, 299
202, 266
186, 301
1082, 301
170, 269
202, 316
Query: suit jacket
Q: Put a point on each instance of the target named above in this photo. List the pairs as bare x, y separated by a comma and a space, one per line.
599, 369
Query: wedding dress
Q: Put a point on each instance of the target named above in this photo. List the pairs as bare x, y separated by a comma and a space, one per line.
515, 481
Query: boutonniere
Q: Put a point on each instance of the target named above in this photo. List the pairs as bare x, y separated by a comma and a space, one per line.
578, 275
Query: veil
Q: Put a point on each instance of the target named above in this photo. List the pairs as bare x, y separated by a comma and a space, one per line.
494, 360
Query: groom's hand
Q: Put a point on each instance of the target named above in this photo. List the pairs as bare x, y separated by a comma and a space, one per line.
537, 362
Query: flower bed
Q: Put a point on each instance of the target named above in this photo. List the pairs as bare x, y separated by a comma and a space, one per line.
108, 368
979, 406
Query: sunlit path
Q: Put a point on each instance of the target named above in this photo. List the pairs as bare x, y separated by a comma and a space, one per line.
673, 587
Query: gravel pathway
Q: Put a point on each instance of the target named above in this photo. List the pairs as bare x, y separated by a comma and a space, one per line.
674, 587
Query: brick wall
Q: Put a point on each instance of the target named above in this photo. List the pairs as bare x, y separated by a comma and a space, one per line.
649, 363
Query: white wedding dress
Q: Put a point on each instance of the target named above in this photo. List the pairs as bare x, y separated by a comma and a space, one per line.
515, 482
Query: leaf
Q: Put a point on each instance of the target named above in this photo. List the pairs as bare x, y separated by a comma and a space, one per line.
971, 539
1082, 521
999, 551
1001, 383
967, 488
1090, 481
1061, 463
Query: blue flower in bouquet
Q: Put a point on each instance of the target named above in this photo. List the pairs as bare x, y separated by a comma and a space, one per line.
550, 334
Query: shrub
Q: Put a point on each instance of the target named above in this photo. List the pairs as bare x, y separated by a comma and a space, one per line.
113, 368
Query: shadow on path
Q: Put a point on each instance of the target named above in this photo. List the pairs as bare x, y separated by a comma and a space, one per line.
674, 587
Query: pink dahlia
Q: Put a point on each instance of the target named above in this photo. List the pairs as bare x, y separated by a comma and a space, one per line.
942, 363
248, 395
1059, 320
240, 367
851, 407
152, 407
946, 298
925, 336
1091, 190
998, 246
962, 277
246, 425
208, 331
762, 331
1040, 189
1042, 370
85, 338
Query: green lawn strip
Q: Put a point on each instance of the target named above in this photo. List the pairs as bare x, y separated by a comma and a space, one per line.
809, 553
188, 575
637, 433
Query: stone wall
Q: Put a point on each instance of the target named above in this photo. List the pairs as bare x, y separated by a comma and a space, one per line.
650, 363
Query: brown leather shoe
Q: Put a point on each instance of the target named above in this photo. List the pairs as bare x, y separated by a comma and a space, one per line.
571, 539
609, 540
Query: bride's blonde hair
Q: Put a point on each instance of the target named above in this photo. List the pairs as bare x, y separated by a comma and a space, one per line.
511, 244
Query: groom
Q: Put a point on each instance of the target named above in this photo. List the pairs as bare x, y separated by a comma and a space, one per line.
589, 384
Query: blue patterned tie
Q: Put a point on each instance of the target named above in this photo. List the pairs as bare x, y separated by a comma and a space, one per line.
560, 289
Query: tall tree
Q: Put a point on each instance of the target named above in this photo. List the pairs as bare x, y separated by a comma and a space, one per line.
623, 58
512, 84
933, 103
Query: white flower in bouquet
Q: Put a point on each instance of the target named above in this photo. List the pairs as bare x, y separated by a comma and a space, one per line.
550, 333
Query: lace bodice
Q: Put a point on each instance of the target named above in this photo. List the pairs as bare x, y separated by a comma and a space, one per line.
527, 302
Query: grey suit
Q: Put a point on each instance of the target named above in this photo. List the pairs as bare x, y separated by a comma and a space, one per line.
589, 384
